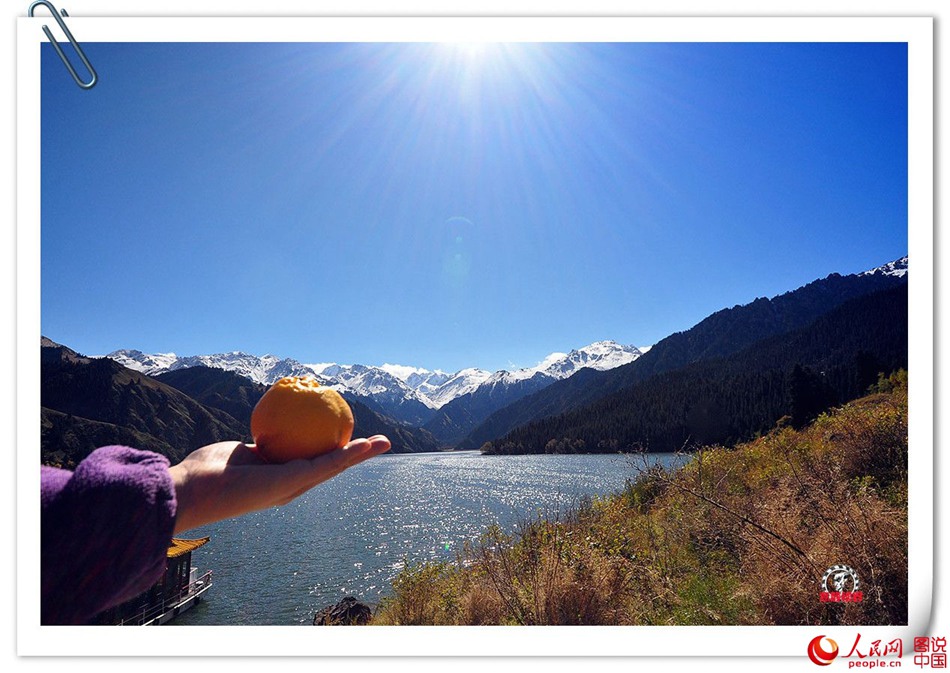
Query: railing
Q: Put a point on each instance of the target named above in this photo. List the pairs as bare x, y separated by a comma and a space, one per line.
153, 612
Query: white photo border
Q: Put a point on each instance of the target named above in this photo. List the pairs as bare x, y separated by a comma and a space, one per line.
33, 639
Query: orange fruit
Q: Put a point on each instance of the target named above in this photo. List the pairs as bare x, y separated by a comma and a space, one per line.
300, 418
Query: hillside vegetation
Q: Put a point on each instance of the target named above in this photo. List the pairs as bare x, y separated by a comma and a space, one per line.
737, 535
91, 402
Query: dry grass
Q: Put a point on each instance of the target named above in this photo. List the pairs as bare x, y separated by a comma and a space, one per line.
737, 536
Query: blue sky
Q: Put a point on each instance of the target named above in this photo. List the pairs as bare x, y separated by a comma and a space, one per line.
449, 206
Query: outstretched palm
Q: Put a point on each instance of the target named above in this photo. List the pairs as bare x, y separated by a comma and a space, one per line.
227, 479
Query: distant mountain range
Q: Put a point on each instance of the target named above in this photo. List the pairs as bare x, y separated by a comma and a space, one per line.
461, 415
92, 402
835, 328
173, 405
237, 395
408, 394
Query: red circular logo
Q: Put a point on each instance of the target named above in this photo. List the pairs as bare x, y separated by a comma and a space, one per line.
820, 655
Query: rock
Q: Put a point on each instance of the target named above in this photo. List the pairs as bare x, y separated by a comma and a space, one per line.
347, 612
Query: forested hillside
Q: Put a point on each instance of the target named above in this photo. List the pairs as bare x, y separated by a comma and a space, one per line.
100, 402
727, 400
720, 335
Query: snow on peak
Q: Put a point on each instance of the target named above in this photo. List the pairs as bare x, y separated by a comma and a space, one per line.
896, 268
403, 372
373, 382
266, 369
392, 385
550, 360
318, 367
142, 362
455, 385
598, 355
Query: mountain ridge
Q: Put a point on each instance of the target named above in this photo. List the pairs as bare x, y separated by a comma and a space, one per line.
795, 375
412, 395
91, 402
718, 335
82, 397
238, 395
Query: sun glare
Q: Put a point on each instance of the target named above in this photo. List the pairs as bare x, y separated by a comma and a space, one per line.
470, 50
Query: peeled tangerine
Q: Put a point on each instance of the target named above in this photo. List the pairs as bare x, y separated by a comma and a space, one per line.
300, 418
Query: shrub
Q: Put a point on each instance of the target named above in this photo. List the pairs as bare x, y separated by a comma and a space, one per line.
738, 535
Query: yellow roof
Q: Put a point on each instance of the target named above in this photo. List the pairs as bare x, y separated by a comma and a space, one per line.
179, 547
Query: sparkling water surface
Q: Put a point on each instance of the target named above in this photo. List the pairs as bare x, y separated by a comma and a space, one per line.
351, 535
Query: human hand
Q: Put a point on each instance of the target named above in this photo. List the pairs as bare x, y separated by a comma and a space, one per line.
227, 479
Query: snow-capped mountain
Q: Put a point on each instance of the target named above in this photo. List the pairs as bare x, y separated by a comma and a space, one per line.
372, 385
142, 362
599, 355
438, 386
464, 412
427, 383
406, 393
458, 384
896, 268
263, 369
411, 375
391, 394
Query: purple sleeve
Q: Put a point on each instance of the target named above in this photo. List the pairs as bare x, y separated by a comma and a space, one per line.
106, 529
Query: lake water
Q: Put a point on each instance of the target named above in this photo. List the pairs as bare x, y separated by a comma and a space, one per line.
351, 535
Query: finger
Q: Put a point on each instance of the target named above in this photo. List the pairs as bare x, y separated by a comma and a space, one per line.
246, 454
305, 474
331, 464
356, 452
362, 449
378, 444
381, 444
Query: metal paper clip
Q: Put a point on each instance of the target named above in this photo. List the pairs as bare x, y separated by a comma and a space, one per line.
59, 50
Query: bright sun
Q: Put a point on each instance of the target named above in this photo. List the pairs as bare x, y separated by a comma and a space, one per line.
469, 50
